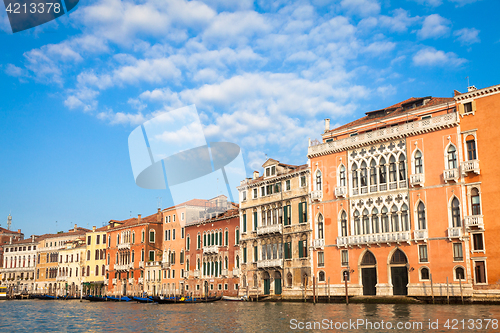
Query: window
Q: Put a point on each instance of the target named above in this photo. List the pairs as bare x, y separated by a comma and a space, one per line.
424, 273
455, 213
173, 217
468, 107
321, 259
321, 234
345, 275
173, 234
151, 236
321, 276
244, 222
422, 253
288, 249
477, 240
287, 185
245, 255
188, 243
459, 273
421, 216
237, 234
254, 193
302, 181
457, 252
382, 172
405, 223
244, 195
143, 236
373, 173
471, 149
392, 169
303, 249
480, 271
182, 232
226, 238
262, 191
355, 176
343, 224
287, 212
255, 253
198, 242
182, 214
342, 176
419, 167
344, 258
476, 205
88, 240
452, 157
303, 212
363, 175
318, 180
402, 167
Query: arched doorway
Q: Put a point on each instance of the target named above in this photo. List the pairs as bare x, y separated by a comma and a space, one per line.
399, 273
267, 283
369, 274
277, 283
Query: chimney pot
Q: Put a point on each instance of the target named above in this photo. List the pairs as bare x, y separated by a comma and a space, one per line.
255, 174
327, 124
93, 228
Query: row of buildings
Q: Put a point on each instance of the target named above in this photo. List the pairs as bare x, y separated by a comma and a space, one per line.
389, 204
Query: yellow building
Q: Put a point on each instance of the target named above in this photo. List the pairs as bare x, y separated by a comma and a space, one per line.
94, 261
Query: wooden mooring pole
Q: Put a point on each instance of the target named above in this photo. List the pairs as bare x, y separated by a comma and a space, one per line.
346, 290
447, 291
328, 289
461, 293
432, 290
314, 289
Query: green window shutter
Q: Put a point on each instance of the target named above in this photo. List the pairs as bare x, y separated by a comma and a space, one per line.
305, 211
227, 238
286, 251
244, 222
301, 253
244, 255
255, 253
255, 221
220, 238
285, 213
205, 240
199, 241
237, 236
213, 240
300, 213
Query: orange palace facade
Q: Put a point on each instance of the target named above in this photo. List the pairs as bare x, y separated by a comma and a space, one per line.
407, 195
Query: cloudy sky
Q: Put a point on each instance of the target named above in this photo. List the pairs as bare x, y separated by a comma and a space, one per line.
262, 74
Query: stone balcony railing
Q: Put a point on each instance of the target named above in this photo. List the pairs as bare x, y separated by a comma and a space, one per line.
450, 175
236, 272
61, 278
455, 232
341, 191
387, 237
470, 166
140, 280
316, 195
474, 221
390, 133
17, 269
318, 243
196, 273
124, 246
417, 179
153, 263
270, 263
123, 267
114, 281
210, 249
421, 234
270, 229
141, 264
224, 272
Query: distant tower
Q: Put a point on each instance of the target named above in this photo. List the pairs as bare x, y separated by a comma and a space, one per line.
9, 221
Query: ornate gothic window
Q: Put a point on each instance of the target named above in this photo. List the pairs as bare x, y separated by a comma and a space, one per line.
455, 213
421, 216
402, 167
452, 157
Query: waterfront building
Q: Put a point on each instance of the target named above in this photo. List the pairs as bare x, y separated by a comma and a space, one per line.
479, 171
213, 255
389, 202
18, 266
175, 218
5, 237
48, 259
130, 245
94, 261
69, 270
275, 225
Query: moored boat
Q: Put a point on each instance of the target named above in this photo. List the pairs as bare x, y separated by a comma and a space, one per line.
143, 299
95, 298
179, 300
234, 299
119, 299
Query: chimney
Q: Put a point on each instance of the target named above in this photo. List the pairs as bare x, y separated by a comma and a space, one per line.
471, 88
327, 124
255, 174
93, 228
18, 231
109, 226
74, 229
139, 218
32, 238
10, 240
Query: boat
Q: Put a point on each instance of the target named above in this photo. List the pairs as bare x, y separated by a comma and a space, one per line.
119, 299
95, 298
179, 300
234, 299
143, 299
3, 292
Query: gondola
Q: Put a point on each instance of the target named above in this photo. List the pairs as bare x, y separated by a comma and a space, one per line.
95, 298
119, 299
180, 300
234, 299
143, 299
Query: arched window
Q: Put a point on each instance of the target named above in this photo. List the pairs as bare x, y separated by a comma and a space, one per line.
375, 226
255, 281
394, 218
424, 273
318, 180
342, 176
343, 224
117, 239
385, 220
103, 270
402, 167
459, 273
96, 270
357, 228
366, 222
455, 213
382, 172
289, 280
419, 167
392, 169
355, 176
363, 176
88, 254
452, 157
373, 172
320, 227
321, 276
368, 259
471, 148
422, 225
405, 222
398, 257
476, 204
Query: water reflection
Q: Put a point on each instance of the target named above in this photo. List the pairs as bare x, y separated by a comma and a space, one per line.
75, 316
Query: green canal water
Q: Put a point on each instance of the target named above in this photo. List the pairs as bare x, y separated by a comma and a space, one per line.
76, 316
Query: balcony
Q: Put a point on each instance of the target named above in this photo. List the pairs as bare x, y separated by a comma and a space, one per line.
318, 243
421, 235
474, 221
123, 267
224, 272
450, 175
61, 278
270, 229
470, 166
417, 179
124, 246
316, 195
140, 280
114, 281
236, 272
186, 275
455, 232
211, 249
153, 263
387, 237
131, 280
165, 264
196, 273
141, 264
270, 263
341, 191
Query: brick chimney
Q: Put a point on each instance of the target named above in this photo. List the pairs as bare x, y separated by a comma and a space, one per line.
74, 229
255, 174
93, 228
18, 231
327, 124
139, 218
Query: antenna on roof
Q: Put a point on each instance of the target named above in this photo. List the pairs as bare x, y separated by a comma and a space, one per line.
9, 221
159, 202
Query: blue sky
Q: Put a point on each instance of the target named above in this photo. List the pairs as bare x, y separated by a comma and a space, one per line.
262, 74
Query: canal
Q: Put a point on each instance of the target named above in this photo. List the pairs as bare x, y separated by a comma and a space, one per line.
76, 316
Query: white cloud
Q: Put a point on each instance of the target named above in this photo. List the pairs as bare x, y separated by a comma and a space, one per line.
467, 36
380, 47
15, 71
431, 3
361, 7
463, 2
399, 22
432, 57
122, 118
434, 26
